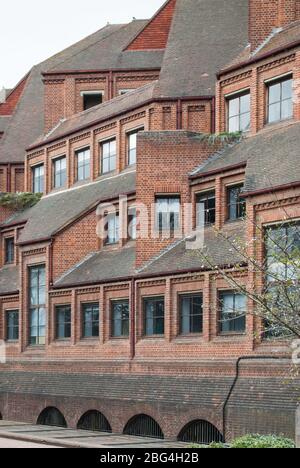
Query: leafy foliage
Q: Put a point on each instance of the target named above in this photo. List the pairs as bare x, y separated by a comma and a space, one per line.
253, 441
224, 138
19, 201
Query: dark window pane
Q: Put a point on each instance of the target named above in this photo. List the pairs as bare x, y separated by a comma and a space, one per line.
90, 320
37, 299
206, 208
9, 250
236, 204
154, 316
91, 99
38, 179
12, 325
233, 312
63, 322
120, 319
191, 315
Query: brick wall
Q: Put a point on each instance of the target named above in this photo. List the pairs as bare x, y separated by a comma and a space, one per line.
155, 34
173, 155
8, 107
265, 15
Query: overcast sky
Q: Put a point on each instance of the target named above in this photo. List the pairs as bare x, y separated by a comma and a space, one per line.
32, 30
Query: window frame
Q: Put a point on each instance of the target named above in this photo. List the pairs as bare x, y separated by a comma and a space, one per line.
170, 229
40, 178
181, 297
93, 305
63, 308
39, 308
238, 206
116, 239
231, 97
273, 82
129, 134
84, 166
112, 320
9, 255
207, 211
156, 299
91, 93
7, 327
102, 144
132, 226
54, 174
222, 293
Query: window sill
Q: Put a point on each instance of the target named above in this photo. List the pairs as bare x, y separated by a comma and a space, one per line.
153, 337
89, 341
193, 338
117, 339
227, 336
12, 342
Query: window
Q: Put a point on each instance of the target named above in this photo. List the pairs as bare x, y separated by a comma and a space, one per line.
12, 325
90, 320
109, 156
154, 314
91, 99
282, 277
239, 113
191, 314
83, 164
236, 204
132, 145
9, 245
63, 322
38, 179
206, 208
167, 213
37, 301
280, 100
120, 319
59, 172
233, 312
112, 229
132, 223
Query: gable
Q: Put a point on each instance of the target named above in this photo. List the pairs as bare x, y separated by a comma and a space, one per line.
155, 34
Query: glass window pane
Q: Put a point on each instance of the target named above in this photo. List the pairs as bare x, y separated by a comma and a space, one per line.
245, 122
234, 107
287, 89
274, 93
245, 104
274, 112
287, 109
234, 124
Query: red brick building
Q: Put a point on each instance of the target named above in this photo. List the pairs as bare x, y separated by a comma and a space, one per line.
126, 330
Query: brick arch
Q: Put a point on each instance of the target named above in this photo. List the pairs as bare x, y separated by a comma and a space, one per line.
52, 416
129, 411
94, 420
200, 431
143, 425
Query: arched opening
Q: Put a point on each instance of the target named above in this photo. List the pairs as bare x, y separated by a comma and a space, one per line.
200, 432
51, 417
143, 426
94, 421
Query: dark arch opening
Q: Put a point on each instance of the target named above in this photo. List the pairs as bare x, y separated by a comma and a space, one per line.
200, 432
51, 417
143, 426
94, 421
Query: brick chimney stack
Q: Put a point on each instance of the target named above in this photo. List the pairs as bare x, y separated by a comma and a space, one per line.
267, 15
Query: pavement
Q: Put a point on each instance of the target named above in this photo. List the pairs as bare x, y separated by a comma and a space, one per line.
22, 435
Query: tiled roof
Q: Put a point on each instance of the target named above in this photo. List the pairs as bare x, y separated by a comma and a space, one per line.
217, 249
4, 121
57, 210
102, 111
271, 158
9, 280
205, 35
27, 122
106, 265
108, 54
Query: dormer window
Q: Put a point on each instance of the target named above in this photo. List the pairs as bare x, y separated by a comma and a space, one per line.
108, 156
59, 172
112, 229
38, 179
280, 100
236, 203
91, 99
206, 208
132, 146
239, 112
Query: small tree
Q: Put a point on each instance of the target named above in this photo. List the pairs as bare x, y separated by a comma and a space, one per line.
19, 201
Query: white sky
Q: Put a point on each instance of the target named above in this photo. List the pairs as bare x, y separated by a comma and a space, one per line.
33, 30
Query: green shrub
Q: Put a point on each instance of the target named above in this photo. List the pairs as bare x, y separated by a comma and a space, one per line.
19, 201
259, 441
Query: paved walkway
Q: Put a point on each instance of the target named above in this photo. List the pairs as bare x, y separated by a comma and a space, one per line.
19, 433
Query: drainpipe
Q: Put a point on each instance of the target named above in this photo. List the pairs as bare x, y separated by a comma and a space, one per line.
8, 178
132, 320
179, 115
213, 115
237, 374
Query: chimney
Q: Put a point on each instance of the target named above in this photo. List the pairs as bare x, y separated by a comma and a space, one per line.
3, 95
267, 15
